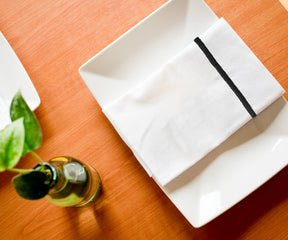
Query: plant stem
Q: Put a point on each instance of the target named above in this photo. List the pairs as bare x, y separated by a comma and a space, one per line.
37, 157
22, 171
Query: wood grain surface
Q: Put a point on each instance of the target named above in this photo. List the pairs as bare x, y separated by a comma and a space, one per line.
53, 39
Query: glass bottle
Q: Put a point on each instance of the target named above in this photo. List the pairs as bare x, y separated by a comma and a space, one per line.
72, 183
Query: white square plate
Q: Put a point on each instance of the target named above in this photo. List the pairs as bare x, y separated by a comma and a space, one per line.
238, 166
13, 77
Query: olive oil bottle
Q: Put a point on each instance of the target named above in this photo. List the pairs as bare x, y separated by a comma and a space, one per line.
72, 183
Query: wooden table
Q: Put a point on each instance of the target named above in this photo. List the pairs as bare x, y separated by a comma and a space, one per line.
53, 39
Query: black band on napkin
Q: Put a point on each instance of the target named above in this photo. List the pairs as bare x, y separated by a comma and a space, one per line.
225, 76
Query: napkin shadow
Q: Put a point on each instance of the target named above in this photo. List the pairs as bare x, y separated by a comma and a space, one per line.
249, 131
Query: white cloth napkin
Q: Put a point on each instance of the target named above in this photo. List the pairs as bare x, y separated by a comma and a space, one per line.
186, 108
4, 114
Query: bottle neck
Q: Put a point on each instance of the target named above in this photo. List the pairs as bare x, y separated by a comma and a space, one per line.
50, 171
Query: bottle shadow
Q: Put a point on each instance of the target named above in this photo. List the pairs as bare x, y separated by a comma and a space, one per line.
94, 221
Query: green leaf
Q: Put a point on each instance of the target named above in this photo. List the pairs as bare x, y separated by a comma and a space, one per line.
11, 144
31, 186
33, 134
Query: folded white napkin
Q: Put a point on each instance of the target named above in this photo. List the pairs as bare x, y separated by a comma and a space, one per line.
193, 103
4, 114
